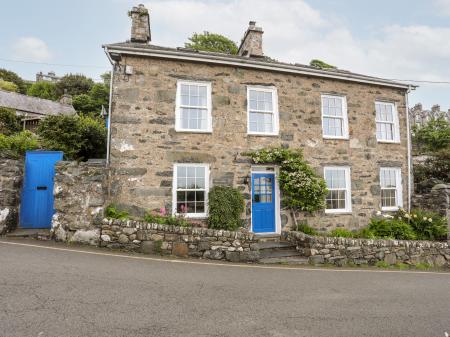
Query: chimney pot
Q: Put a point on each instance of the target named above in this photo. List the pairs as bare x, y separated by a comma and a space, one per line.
140, 24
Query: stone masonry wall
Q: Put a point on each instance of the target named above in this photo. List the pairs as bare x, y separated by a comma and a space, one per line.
11, 177
145, 145
341, 251
179, 241
80, 191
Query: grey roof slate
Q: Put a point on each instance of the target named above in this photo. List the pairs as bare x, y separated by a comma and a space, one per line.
35, 105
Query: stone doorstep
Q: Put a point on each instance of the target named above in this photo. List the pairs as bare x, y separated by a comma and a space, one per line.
43, 234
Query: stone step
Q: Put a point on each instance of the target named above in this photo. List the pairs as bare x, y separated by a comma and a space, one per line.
293, 260
41, 234
278, 253
268, 237
276, 245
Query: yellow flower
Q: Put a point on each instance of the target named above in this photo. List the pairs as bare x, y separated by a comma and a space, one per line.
430, 220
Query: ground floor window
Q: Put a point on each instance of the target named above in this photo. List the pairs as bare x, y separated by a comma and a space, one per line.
339, 189
391, 188
190, 189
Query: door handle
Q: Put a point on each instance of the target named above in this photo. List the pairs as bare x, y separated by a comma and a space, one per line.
41, 188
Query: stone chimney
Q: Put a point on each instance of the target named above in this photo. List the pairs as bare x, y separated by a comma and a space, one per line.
436, 108
251, 44
140, 24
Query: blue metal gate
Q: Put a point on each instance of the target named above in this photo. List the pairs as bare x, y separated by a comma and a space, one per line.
263, 202
36, 209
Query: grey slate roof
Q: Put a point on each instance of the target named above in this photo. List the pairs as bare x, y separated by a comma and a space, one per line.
34, 105
244, 61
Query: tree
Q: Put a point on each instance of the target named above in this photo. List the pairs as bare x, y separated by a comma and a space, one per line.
320, 64
80, 138
212, 42
91, 103
11, 76
73, 84
9, 122
8, 86
106, 77
43, 89
433, 136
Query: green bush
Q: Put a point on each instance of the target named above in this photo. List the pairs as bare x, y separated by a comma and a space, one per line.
16, 145
112, 212
426, 225
79, 138
10, 76
9, 122
437, 166
391, 229
226, 205
43, 89
8, 86
302, 189
304, 228
364, 233
74, 84
433, 136
342, 233
212, 42
166, 219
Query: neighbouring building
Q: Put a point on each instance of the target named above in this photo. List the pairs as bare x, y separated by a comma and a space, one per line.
49, 77
182, 119
420, 116
33, 109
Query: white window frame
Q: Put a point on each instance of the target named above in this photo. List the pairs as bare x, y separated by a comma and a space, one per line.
178, 107
348, 189
276, 126
395, 123
174, 189
398, 189
345, 133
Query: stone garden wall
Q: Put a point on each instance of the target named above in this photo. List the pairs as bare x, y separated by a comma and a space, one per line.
341, 251
11, 176
179, 241
80, 193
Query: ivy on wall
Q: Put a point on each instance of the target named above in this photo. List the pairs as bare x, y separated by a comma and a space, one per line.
302, 189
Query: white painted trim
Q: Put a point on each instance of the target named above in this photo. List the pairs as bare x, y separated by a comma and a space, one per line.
276, 122
398, 189
174, 190
178, 127
267, 169
348, 189
345, 133
396, 130
254, 64
408, 143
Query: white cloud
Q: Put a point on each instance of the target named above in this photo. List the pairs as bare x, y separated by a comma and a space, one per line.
297, 32
31, 49
443, 7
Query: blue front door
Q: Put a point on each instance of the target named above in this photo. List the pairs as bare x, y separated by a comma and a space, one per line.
36, 208
263, 202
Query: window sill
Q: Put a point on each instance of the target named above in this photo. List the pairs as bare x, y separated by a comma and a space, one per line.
338, 211
388, 141
257, 134
193, 131
390, 209
335, 138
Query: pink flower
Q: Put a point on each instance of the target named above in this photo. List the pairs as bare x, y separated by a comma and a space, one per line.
162, 211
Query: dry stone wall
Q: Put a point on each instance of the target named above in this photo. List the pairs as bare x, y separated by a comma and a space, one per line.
80, 191
11, 178
342, 251
180, 241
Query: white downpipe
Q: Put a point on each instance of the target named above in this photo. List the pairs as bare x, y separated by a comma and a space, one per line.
408, 129
108, 140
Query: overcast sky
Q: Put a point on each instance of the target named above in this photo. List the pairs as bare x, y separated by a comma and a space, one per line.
397, 39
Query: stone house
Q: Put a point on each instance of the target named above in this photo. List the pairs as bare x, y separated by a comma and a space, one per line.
33, 109
420, 116
182, 119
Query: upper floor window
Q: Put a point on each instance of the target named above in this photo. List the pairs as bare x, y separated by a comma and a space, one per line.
190, 189
338, 199
334, 117
387, 122
391, 188
262, 110
193, 107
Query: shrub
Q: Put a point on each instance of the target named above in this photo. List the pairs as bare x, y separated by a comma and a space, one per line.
8, 86
304, 228
16, 145
79, 138
212, 42
341, 232
426, 225
302, 189
11, 76
74, 84
9, 122
365, 233
163, 219
112, 212
43, 89
391, 229
435, 135
437, 166
226, 205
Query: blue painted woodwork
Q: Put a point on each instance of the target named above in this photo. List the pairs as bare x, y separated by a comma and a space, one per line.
263, 202
36, 209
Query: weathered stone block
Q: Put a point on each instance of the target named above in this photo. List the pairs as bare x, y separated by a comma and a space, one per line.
180, 249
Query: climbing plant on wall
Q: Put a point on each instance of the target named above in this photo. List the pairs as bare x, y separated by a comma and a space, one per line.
302, 189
